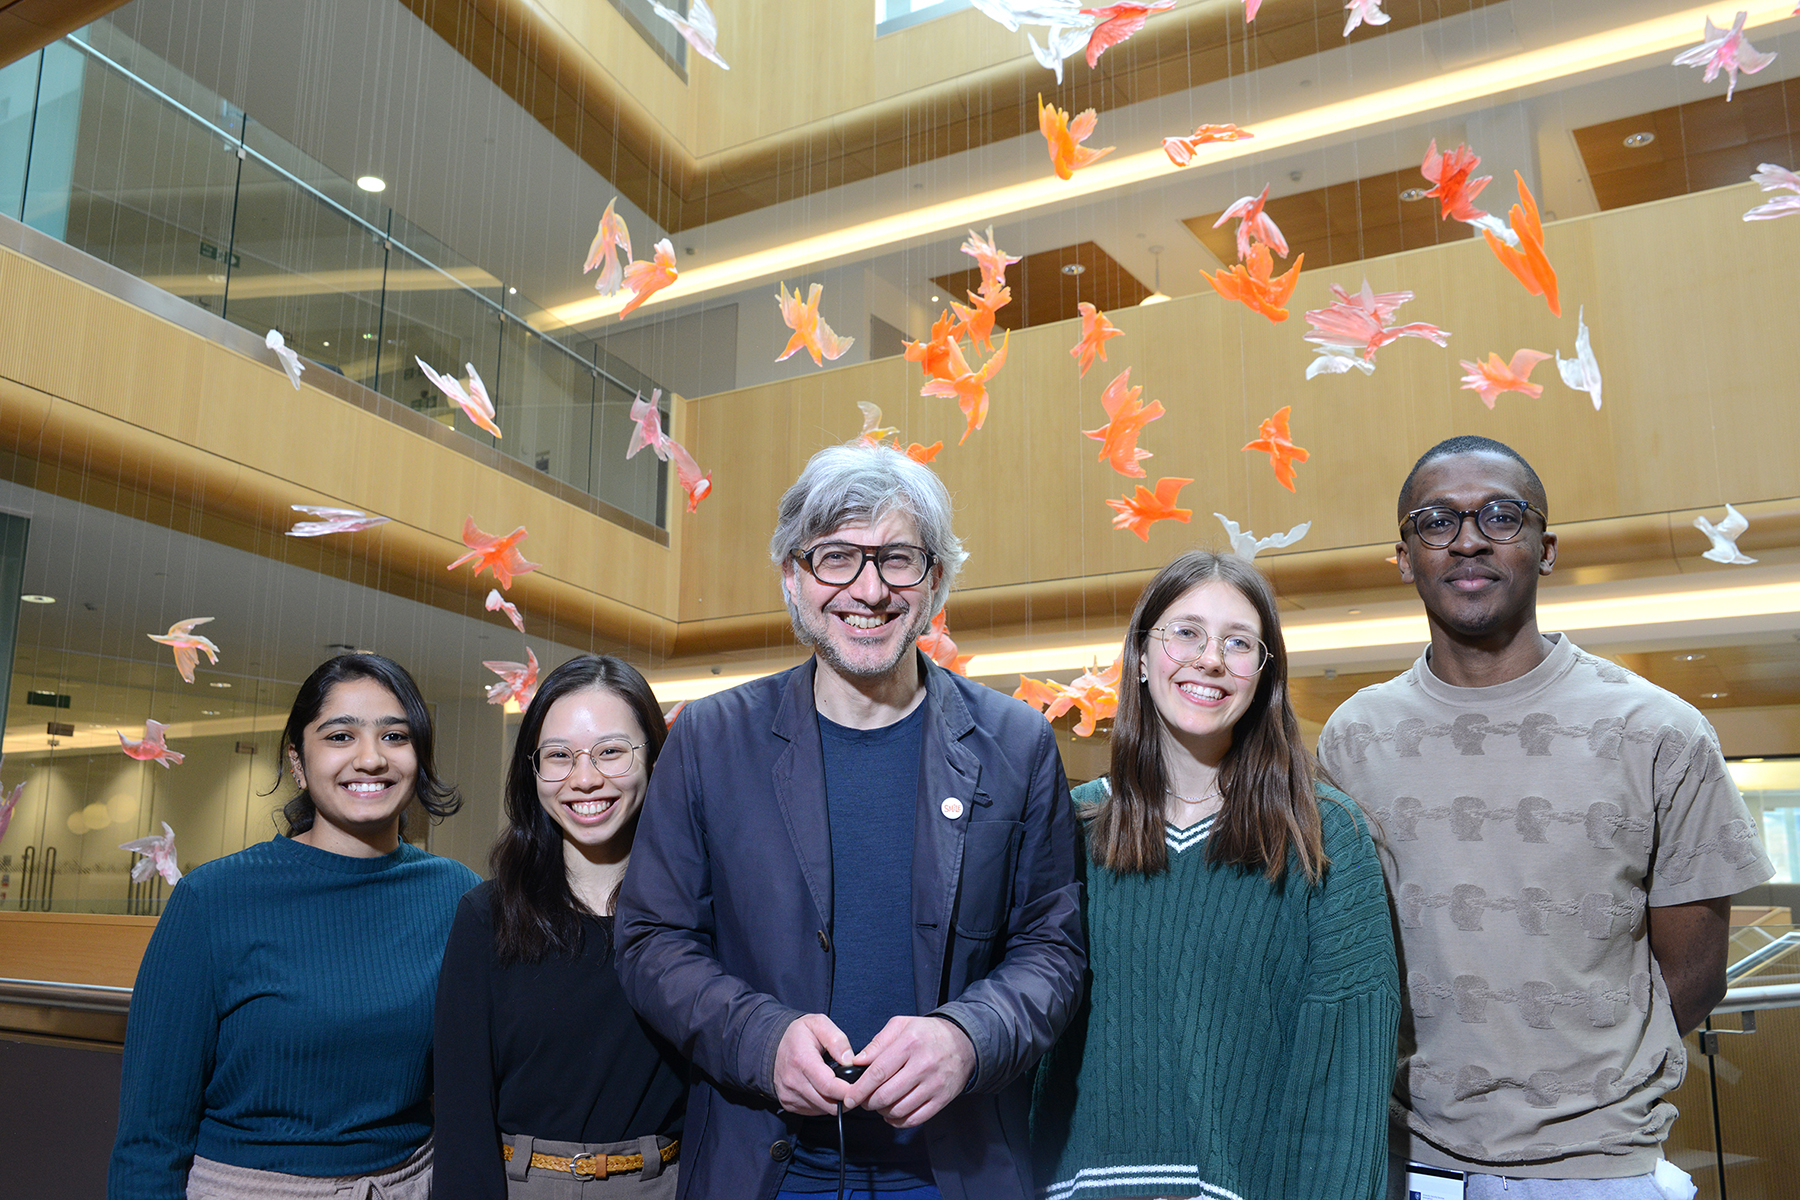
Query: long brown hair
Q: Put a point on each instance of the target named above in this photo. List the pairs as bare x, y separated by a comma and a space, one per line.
1267, 779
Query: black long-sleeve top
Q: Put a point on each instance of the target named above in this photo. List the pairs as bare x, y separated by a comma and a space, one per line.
549, 1049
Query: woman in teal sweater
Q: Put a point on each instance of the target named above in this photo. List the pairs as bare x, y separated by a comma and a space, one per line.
279, 1043
1237, 1042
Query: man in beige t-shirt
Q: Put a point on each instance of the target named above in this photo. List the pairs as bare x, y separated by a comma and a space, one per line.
1562, 844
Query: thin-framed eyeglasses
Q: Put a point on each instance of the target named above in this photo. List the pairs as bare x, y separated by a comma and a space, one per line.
612, 757
1498, 521
1185, 643
837, 564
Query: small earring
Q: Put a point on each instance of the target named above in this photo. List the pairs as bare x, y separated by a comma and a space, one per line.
1143, 679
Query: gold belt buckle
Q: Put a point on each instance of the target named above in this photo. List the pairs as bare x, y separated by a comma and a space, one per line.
587, 1166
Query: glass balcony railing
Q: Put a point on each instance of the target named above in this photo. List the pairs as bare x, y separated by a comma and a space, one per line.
112, 151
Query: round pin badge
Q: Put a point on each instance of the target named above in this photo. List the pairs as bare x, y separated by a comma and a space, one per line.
952, 807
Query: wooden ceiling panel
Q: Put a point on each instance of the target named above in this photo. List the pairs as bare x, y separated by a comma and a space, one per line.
1042, 293
1344, 222
502, 39
1707, 144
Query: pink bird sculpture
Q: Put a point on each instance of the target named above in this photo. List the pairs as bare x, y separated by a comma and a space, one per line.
290, 362
332, 520
604, 251
1254, 223
669, 720
696, 484
1488, 379
1726, 50
811, 333
1096, 331
497, 554
700, 29
1181, 150
151, 747
188, 645
873, 431
1450, 182
518, 681
474, 401
992, 260
8, 804
647, 414
1364, 12
1774, 178
1250, 7
1127, 418
498, 603
647, 278
1118, 22
159, 857
940, 649
1360, 322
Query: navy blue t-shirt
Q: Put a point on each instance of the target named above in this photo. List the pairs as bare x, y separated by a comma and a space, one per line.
871, 793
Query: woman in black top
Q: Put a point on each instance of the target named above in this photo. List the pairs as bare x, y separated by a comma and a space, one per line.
543, 1070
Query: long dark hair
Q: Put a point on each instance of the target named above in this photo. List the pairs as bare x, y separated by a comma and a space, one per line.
436, 797
535, 911
1267, 778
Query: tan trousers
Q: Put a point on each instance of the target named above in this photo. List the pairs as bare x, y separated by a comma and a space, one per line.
411, 1180
523, 1182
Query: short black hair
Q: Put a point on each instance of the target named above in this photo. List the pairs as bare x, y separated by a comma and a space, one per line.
1470, 443
436, 797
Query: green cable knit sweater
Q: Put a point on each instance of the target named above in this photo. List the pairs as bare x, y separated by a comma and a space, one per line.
1237, 1041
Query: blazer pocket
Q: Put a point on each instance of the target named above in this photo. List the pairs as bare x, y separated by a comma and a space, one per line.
985, 891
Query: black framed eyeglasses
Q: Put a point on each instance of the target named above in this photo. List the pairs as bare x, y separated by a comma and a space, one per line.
1498, 521
1185, 643
613, 758
839, 563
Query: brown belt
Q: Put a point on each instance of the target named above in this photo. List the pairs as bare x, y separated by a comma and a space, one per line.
593, 1166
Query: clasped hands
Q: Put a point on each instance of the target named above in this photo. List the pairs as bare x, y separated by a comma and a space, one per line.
912, 1068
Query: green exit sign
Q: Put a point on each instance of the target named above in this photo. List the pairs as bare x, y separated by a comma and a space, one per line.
208, 250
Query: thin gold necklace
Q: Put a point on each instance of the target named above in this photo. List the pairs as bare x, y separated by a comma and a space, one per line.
1215, 794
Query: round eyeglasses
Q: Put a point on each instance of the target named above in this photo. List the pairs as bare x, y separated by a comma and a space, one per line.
612, 758
837, 564
1186, 644
1498, 521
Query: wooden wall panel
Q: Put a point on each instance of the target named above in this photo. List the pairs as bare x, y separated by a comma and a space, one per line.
1689, 308
74, 947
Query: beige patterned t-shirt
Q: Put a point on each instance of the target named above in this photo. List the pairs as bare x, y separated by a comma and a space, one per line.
1527, 826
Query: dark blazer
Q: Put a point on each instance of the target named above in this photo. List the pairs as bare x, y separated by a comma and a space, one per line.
724, 931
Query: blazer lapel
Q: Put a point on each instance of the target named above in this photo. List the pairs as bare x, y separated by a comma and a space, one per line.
799, 782
949, 773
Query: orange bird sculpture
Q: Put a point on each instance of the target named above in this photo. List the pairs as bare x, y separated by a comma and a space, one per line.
1273, 437
923, 454
1037, 692
1094, 692
497, 554
1096, 331
1450, 182
1250, 283
992, 260
940, 649
968, 387
977, 322
1488, 379
1181, 150
1137, 513
933, 356
1528, 262
1118, 437
811, 333
1067, 154
1118, 22
647, 278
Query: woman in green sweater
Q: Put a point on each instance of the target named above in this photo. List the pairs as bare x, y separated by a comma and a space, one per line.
279, 1044
1237, 1041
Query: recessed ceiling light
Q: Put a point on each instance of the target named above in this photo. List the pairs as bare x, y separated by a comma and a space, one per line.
1638, 141
1073, 269
209, 712
372, 183
1689, 657
1354, 611
1413, 195
934, 299
325, 343
1750, 760
1153, 298
512, 291
1714, 695
218, 685
35, 599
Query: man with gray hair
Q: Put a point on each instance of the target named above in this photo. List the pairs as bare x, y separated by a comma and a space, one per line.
852, 900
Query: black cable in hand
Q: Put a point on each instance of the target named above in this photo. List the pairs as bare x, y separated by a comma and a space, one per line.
848, 1074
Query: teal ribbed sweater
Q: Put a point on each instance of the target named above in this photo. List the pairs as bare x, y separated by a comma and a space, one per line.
1238, 1038
281, 1018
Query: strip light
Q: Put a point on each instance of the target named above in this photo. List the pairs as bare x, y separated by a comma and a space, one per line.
1656, 36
